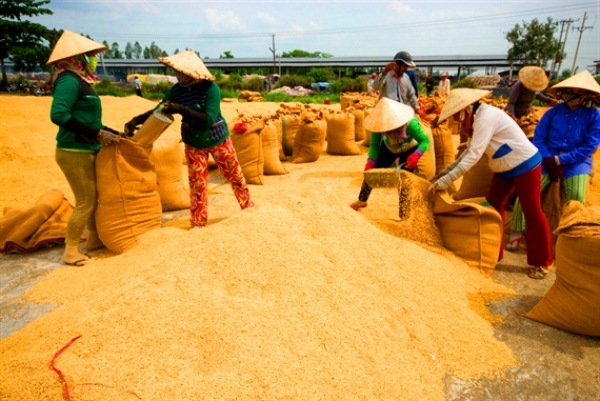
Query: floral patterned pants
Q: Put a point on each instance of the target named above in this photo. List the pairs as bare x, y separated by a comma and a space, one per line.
226, 159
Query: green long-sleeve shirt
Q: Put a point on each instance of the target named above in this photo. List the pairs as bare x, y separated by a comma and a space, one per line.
413, 132
72, 100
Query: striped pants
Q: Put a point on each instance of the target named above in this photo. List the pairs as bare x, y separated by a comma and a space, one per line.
226, 159
573, 188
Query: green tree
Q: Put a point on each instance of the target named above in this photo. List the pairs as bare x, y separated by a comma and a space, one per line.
128, 53
304, 53
108, 52
534, 43
154, 51
116, 53
226, 54
137, 50
20, 39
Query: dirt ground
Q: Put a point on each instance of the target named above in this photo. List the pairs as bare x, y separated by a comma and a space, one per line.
553, 365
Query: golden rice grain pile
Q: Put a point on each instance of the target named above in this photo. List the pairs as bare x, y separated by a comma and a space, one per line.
299, 297
289, 300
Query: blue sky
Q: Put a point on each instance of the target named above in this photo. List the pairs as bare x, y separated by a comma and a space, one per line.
349, 28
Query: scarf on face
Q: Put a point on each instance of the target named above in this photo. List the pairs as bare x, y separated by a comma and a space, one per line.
183, 79
77, 65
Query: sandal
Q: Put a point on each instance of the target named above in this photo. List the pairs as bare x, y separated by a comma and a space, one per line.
538, 272
514, 243
358, 205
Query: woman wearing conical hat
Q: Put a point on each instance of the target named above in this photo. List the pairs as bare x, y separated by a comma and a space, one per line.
567, 136
396, 136
516, 164
77, 111
203, 130
532, 80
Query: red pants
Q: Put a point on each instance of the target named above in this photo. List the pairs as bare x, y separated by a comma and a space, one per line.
537, 235
226, 159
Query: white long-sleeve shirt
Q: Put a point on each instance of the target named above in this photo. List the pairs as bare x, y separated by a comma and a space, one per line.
400, 90
497, 135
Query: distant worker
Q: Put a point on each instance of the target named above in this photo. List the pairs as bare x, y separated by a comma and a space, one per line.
444, 85
532, 80
394, 84
138, 86
429, 85
413, 80
370, 83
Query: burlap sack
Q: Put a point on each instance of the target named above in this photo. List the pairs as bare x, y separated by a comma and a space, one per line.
270, 148
443, 145
471, 229
167, 157
573, 301
476, 181
128, 201
367, 141
359, 123
309, 141
348, 100
27, 228
426, 165
249, 152
340, 134
290, 123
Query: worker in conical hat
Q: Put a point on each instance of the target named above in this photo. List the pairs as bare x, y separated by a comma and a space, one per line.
197, 99
396, 137
532, 80
77, 111
567, 137
516, 164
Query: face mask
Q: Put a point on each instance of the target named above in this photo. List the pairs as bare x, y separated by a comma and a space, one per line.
92, 62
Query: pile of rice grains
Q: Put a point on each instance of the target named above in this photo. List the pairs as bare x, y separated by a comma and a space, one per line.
298, 298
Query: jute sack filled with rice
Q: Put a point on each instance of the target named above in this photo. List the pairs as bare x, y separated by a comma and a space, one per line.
472, 229
128, 201
340, 133
310, 140
249, 151
167, 157
573, 301
271, 148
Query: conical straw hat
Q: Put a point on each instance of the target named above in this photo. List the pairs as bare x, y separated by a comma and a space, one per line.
534, 78
188, 63
387, 115
583, 80
460, 98
72, 44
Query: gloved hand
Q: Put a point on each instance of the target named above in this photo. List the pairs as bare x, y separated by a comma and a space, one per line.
131, 126
413, 159
370, 164
554, 169
442, 183
172, 108
114, 131
107, 138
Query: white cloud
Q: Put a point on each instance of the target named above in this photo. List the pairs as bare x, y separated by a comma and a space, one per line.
401, 8
267, 18
220, 21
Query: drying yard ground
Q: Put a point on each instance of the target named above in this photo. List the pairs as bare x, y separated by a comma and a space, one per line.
536, 362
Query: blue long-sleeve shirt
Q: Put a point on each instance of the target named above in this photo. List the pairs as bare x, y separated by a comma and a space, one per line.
572, 135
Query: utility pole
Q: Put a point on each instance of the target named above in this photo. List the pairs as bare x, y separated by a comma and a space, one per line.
569, 22
562, 28
580, 29
273, 51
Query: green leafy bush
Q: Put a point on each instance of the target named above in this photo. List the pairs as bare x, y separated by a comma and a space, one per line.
254, 84
294, 80
465, 83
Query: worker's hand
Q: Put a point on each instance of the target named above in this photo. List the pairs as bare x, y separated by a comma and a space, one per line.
114, 131
391, 66
413, 160
370, 164
171, 108
553, 168
107, 138
442, 183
